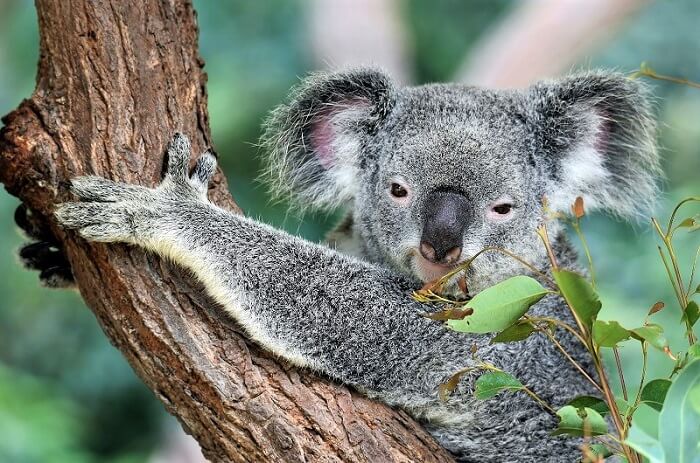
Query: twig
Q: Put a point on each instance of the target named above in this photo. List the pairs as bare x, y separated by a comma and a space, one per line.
618, 363
572, 360
647, 72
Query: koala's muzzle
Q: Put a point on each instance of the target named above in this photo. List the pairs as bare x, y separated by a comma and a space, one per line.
446, 217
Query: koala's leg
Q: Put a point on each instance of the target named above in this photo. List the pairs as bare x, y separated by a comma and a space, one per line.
43, 253
351, 320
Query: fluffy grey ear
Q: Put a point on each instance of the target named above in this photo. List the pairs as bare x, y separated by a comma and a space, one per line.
314, 143
595, 132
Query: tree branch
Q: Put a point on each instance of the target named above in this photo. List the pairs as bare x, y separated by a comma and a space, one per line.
114, 82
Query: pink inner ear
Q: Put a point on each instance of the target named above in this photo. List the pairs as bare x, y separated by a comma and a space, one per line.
323, 134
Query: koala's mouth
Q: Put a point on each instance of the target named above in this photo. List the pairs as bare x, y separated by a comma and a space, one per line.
428, 271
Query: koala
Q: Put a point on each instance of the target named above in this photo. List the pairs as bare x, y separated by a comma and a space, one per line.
429, 175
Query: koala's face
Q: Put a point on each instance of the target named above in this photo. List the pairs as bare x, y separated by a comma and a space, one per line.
453, 175
435, 174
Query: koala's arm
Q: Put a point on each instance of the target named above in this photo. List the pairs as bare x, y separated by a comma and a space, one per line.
312, 306
339, 316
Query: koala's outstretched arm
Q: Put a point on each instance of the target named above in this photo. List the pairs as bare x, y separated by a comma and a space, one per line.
348, 319
307, 303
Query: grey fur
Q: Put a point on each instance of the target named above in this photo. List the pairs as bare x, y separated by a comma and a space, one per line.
352, 318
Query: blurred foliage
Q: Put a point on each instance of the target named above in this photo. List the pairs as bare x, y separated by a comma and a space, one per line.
67, 395
443, 30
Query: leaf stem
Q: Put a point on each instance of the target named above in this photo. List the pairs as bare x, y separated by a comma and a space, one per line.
614, 410
539, 400
577, 228
542, 231
642, 377
646, 72
675, 275
572, 360
689, 199
692, 273
467, 263
559, 323
618, 364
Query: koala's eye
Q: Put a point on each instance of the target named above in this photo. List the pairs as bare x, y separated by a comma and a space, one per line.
398, 191
502, 209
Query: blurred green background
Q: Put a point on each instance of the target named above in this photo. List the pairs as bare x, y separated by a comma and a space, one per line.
67, 395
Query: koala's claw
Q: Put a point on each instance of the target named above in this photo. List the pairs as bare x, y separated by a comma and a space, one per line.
58, 277
98, 189
179, 157
49, 260
109, 211
41, 255
178, 165
203, 172
98, 221
44, 252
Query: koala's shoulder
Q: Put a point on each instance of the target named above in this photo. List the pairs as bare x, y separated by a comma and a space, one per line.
343, 238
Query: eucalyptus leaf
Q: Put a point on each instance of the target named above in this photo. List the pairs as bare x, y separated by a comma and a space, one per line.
588, 401
499, 306
600, 450
679, 420
519, 331
687, 223
651, 333
577, 421
691, 313
694, 351
491, 383
579, 294
608, 334
646, 445
654, 393
622, 405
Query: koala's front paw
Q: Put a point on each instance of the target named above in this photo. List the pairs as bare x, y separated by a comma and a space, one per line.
110, 211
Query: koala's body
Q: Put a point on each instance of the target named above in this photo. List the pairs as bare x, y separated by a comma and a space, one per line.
430, 175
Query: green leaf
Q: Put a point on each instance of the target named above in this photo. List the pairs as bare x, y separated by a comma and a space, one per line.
654, 393
651, 333
622, 406
694, 351
499, 306
600, 450
579, 294
691, 313
588, 401
608, 334
679, 420
646, 445
521, 330
491, 383
573, 421
687, 223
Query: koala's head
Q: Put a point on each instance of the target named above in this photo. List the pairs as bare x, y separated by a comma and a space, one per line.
435, 173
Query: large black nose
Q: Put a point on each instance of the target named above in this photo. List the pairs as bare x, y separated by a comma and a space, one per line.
446, 216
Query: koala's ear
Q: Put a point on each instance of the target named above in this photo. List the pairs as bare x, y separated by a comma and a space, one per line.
595, 133
315, 143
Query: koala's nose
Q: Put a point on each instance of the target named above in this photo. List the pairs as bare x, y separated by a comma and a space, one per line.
446, 217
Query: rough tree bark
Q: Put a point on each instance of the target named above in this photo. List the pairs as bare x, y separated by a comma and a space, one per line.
115, 80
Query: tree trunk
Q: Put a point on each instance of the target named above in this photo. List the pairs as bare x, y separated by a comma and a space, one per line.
115, 81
